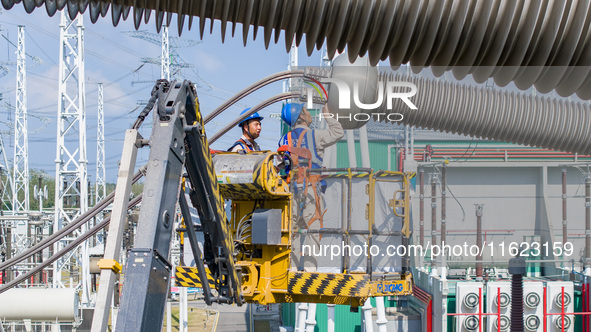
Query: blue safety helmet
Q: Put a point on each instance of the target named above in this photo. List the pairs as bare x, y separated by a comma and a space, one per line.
254, 116
291, 112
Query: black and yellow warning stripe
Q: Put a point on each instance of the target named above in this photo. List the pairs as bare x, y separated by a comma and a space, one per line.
187, 276
243, 191
329, 284
364, 175
264, 181
226, 235
388, 174
346, 175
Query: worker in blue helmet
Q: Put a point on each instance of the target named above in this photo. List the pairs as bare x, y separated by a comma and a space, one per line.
251, 130
299, 119
307, 189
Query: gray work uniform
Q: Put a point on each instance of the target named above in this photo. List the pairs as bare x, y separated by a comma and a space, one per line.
304, 204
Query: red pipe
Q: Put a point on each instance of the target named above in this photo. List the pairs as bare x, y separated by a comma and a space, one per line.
584, 297
545, 309
501, 155
426, 298
462, 151
443, 206
587, 297
512, 152
499, 158
422, 206
494, 149
433, 212
499, 309
484, 230
562, 309
495, 153
492, 153
587, 221
588, 292
499, 150
479, 309
430, 316
564, 223
479, 241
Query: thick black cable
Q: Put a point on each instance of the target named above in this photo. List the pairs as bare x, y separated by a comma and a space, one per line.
250, 89
151, 102
265, 103
85, 217
88, 215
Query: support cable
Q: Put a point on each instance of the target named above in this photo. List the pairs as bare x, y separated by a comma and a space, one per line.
252, 88
78, 222
265, 103
62, 252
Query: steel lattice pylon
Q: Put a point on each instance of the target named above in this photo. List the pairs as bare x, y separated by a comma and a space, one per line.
100, 185
20, 190
6, 180
71, 189
169, 58
165, 58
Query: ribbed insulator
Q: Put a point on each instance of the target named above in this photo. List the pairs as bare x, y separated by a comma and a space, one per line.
496, 114
541, 43
517, 303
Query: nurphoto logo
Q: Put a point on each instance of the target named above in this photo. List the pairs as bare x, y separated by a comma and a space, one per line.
393, 90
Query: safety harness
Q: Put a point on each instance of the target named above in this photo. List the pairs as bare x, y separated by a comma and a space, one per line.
243, 144
297, 143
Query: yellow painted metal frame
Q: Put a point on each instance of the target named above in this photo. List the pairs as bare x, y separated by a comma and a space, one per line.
265, 271
401, 198
278, 284
266, 182
269, 262
109, 264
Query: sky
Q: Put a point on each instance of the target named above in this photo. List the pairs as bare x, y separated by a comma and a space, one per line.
112, 57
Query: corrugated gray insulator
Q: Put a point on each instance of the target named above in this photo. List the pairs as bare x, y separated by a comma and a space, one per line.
495, 114
7, 4
541, 43
95, 10
29, 5
517, 303
51, 7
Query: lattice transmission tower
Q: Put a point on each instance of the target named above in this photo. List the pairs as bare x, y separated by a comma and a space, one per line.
169, 61
71, 189
20, 190
100, 185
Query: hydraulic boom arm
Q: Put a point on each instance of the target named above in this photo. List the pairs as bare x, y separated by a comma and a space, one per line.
178, 139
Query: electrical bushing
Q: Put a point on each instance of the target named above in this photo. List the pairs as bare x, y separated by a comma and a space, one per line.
517, 270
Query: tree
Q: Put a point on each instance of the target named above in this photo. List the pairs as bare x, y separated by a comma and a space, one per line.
46, 181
